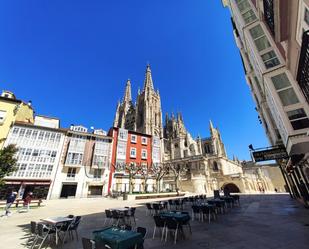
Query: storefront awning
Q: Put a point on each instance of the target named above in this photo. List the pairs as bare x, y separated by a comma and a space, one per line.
16, 182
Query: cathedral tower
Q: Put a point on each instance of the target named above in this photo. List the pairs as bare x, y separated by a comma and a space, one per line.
217, 144
148, 109
146, 115
125, 112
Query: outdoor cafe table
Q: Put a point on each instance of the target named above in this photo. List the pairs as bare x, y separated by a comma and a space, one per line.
117, 238
55, 222
180, 217
219, 203
228, 199
120, 209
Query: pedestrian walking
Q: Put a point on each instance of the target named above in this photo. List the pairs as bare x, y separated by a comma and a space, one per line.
9, 202
27, 201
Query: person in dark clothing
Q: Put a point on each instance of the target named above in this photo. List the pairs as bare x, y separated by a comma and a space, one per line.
9, 201
304, 193
27, 201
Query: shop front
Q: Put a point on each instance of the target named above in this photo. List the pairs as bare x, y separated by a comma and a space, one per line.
39, 188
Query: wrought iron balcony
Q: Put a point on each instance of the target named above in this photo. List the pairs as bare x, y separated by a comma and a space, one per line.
269, 15
303, 66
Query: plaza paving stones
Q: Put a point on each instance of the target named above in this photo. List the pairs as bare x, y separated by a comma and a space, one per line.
262, 221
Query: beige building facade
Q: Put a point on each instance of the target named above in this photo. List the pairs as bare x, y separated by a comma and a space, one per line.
12, 110
203, 166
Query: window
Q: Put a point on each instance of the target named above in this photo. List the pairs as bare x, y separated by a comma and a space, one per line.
22, 132
215, 166
123, 134
41, 135
100, 161
259, 37
156, 141
246, 11
288, 97
144, 140
133, 152
306, 18
144, 154
35, 153
74, 158
133, 138
97, 174
121, 149
176, 145
71, 173
270, 59
15, 130
2, 116
34, 134
298, 118
261, 43
280, 81
284, 89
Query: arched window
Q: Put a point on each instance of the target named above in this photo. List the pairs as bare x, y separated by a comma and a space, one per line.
215, 166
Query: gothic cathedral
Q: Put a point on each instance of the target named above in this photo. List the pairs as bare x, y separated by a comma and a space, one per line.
204, 160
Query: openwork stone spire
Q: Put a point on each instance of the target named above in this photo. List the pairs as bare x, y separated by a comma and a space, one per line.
127, 95
148, 84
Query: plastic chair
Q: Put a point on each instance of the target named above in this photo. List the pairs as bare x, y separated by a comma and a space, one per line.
149, 208
42, 233
196, 211
171, 225
88, 243
71, 227
142, 230
108, 216
159, 223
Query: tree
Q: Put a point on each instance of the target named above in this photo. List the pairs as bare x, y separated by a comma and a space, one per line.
7, 161
159, 170
131, 169
145, 172
177, 170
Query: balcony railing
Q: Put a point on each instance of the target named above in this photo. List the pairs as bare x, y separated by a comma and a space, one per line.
303, 66
70, 178
97, 179
269, 15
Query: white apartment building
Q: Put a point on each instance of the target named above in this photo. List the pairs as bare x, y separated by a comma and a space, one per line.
84, 166
282, 106
39, 152
273, 39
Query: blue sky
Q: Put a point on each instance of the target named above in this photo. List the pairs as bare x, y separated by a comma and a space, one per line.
72, 59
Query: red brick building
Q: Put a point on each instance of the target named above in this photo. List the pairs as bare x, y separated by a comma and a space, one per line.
136, 149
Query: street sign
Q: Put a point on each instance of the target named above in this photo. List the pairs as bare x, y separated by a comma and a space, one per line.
270, 154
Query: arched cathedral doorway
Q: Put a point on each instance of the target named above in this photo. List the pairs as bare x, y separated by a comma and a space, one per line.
230, 188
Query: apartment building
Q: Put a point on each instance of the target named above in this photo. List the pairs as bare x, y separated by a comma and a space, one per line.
39, 152
84, 166
272, 37
134, 149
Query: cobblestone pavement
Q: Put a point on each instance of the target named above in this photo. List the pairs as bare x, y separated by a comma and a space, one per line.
262, 221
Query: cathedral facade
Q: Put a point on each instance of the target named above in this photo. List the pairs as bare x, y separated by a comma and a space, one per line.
200, 165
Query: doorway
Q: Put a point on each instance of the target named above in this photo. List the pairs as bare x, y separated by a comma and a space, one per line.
68, 190
231, 188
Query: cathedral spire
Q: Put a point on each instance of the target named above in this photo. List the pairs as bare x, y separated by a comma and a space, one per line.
148, 84
127, 95
210, 125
